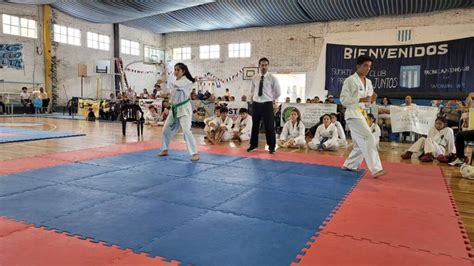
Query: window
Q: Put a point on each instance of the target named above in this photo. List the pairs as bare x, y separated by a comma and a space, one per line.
182, 53
151, 54
209, 51
97, 41
129, 47
63, 34
19, 26
239, 50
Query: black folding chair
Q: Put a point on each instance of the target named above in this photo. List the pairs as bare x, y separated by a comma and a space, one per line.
132, 113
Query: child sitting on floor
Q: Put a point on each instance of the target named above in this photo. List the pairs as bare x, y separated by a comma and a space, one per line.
374, 128
293, 133
438, 144
326, 137
90, 115
221, 127
151, 116
207, 121
243, 126
342, 141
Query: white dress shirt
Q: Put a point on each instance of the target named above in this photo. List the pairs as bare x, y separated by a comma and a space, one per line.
271, 88
353, 90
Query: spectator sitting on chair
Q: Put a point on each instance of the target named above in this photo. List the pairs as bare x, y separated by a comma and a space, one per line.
298, 100
384, 113
90, 115
408, 101
2, 105
25, 97
330, 99
287, 100
244, 98
453, 112
145, 94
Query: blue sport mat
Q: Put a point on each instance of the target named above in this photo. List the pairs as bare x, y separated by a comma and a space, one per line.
10, 134
221, 210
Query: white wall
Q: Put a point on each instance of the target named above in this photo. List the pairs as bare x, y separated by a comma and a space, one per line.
34, 71
300, 48
69, 56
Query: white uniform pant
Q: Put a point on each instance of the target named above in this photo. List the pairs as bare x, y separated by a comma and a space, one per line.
299, 142
171, 127
427, 145
342, 142
364, 147
244, 137
330, 145
227, 136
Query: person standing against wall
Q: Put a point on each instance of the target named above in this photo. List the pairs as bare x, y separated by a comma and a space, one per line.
356, 92
264, 90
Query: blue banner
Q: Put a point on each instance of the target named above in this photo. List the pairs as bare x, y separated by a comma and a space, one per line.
429, 70
11, 55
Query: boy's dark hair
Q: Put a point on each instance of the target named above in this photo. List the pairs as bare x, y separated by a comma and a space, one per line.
333, 114
372, 117
217, 107
243, 110
363, 58
263, 59
442, 119
224, 109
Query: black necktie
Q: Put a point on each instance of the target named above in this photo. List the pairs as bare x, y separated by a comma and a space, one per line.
260, 87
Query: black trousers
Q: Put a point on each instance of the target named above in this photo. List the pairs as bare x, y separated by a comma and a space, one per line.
263, 111
461, 137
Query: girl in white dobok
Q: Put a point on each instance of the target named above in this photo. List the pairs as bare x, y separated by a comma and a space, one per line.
326, 137
293, 133
181, 111
438, 144
356, 93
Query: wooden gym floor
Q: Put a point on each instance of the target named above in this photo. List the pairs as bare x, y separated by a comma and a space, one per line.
100, 134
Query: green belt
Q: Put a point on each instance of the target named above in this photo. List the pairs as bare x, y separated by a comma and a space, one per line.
174, 107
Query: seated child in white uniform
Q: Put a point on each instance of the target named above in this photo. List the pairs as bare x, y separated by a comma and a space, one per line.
221, 127
243, 125
326, 137
374, 128
151, 116
342, 141
438, 144
293, 133
207, 121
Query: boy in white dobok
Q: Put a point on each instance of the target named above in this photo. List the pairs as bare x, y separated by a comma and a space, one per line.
342, 141
207, 121
221, 127
356, 92
438, 144
326, 137
243, 125
293, 133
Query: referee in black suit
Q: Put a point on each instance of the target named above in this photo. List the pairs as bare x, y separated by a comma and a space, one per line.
265, 89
